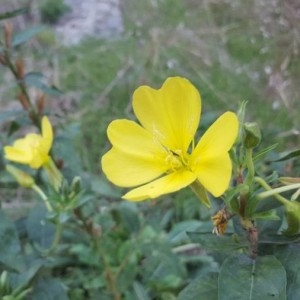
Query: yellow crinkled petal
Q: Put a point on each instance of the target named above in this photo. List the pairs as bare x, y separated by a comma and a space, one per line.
214, 173
129, 170
47, 134
219, 137
131, 138
164, 185
171, 113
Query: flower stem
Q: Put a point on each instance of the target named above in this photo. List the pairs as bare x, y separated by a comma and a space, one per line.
43, 196
57, 236
32, 112
54, 175
110, 277
250, 166
274, 192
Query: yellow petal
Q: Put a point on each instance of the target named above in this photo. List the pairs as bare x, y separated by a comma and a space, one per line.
214, 173
129, 170
129, 137
171, 113
164, 185
47, 134
219, 137
17, 155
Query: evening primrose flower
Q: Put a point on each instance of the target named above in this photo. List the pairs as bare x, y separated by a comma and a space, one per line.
159, 156
33, 149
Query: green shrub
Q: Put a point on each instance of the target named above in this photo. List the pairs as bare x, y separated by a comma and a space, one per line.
52, 10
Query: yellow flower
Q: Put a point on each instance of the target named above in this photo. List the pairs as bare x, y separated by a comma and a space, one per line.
159, 157
33, 149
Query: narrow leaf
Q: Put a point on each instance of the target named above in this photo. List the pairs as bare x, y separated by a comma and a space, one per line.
226, 242
25, 35
14, 13
202, 287
140, 291
261, 154
290, 155
10, 250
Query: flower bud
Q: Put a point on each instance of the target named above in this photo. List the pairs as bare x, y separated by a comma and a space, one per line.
24, 101
8, 31
76, 185
40, 104
22, 178
252, 135
292, 209
20, 70
2, 60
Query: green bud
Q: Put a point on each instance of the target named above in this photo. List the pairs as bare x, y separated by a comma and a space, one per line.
201, 193
292, 217
76, 185
242, 111
252, 135
3, 281
22, 178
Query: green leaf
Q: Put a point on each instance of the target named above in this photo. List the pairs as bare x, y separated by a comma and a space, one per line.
163, 270
10, 250
39, 229
267, 215
202, 287
289, 257
179, 230
226, 242
201, 193
140, 291
261, 154
290, 155
14, 13
25, 35
22, 279
246, 279
47, 288
100, 186
37, 79
128, 216
13, 115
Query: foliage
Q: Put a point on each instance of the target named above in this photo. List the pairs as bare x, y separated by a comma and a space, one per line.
78, 240
52, 10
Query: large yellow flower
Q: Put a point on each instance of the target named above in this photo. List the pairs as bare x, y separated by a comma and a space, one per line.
159, 157
33, 149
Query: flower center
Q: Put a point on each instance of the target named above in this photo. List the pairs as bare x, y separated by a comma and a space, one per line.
176, 160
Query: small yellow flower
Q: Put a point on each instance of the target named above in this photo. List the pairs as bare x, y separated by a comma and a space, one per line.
33, 149
159, 157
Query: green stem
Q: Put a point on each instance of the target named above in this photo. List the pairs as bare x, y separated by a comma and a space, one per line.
32, 113
274, 192
250, 167
43, 196
109, 276
54, 175
57, 236
95, 239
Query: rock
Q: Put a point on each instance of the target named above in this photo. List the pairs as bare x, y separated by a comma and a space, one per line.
98, 18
